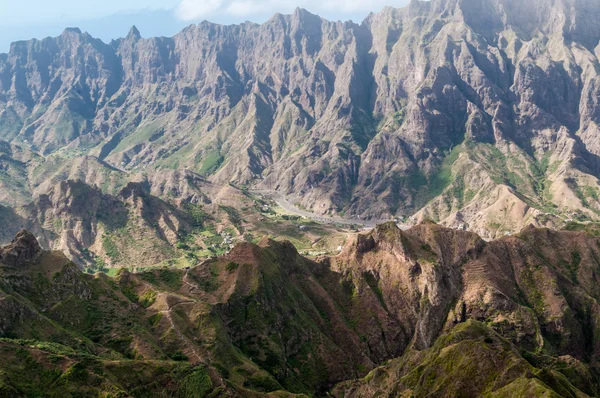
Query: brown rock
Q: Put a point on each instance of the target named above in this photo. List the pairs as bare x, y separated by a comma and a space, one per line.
22, 250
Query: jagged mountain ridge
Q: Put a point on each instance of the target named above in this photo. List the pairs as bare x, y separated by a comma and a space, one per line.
477, 113
265, 321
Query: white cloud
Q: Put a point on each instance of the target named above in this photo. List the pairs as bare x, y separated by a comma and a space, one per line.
197, 9
355, 5
188, 10
248, 7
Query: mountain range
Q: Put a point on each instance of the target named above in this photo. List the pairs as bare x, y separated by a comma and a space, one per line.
144, 250
425, 312
481, 114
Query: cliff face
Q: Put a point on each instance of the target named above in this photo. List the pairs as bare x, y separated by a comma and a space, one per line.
471, 111
536, 288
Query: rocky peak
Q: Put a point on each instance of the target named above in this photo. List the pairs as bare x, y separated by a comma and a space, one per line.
69, 31
303, 14
134, 190
73, 36
23, 249
255, 253
73, 192
134, 33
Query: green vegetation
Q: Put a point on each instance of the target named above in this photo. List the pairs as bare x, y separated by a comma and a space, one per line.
426, 188
212, 162
573, 265
263, 383
129, 292
523, 173
533, 295
10, 124
374, 285
589, 228
231, 266
453, 367
197, 214
178, 356
171, 279
588, 195
98, 266
234, 217
196, 385
155, 319
141, 135
110, 248
167, 278
148, 298
34, 371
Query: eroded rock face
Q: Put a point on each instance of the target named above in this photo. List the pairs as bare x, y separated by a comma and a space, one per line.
399, 291
22, 250
75, 217
479, 105
537, 289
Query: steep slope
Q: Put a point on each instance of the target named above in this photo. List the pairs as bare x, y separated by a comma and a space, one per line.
132, 228
265, 319
199, 315
472, 360
67, 331
536, 288
212, 314
482, 114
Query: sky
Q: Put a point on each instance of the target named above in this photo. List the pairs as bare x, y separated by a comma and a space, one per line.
111, 19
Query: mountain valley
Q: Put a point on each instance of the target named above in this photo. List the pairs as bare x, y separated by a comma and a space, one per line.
403, 207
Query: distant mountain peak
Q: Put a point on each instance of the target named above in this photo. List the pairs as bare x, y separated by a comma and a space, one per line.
303, 13
134, 33
300, 10
72, 30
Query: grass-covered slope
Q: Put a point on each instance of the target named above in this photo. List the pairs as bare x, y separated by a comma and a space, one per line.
472, 361
90, 335
461, 316
34, 369
256, 320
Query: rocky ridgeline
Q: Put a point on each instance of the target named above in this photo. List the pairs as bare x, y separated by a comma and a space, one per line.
470, 111
22, 250
519, 315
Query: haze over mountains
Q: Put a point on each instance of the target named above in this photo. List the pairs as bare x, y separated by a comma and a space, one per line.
112, 19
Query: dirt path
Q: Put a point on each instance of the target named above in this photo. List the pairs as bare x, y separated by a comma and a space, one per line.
187, 342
